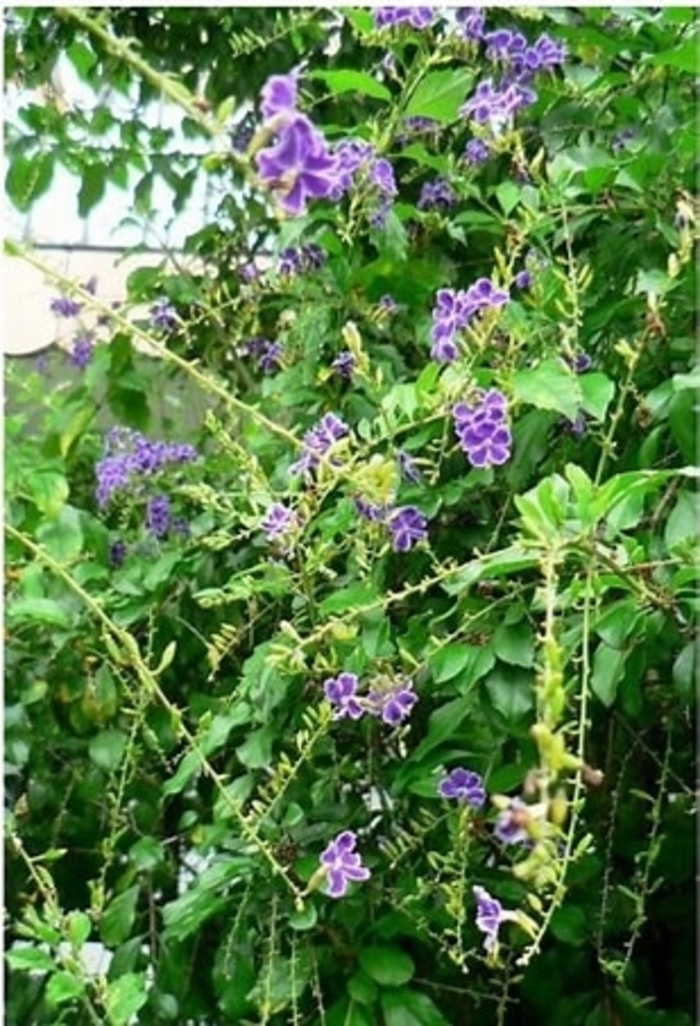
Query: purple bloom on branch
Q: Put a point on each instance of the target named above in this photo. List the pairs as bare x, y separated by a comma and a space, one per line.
437, 195
482, 429
407, 526
510, 827
463, 785
489, 916
408, 467
163, 315
117, 553
279, 95
299, 166
523, 280
343, 864
344, 364
416, 17
278, 522
394, 705
476, 152
82, 350
318, 440
341, 693
64, 306
472, 21
158, 515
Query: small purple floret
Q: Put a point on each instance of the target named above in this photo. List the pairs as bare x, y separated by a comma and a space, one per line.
463, 785
343, 864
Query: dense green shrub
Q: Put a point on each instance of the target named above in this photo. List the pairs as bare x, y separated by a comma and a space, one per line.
365, 695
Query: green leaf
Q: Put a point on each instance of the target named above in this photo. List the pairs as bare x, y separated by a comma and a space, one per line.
608, 670
684, 57
344, 80
387, 966
62, 987
49, 490
348, 599
550, 386
597, 391
125, 996
683, 521
571, 925
508, 195
617, 623
305, 918
684, 672
40, 610
62, 537
515, 643
31, 959
448, 662
118, 918
256, 751
28, 178
406, 1007
208, 896
79, 928
146, 854
510, 692
440, 95
362, 988
107, 749
443, 724
92, 187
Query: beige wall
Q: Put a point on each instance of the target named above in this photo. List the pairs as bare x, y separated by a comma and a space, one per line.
29, 325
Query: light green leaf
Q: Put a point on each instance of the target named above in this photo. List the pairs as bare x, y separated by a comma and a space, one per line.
344, 80
118, 917
597, 391
510, 692
406, 1007
515, 643
125, 996
40, 610
107, 749
448, 662
387, 966
683, 524
608, 669
550, 386
63, 987
443, 724
31, 960
440, 95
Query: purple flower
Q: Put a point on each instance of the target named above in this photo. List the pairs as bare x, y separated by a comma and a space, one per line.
463, 785
388, 304
299, 166
437, 195
117, 553
317, 442
549, 52
381, 174
408, 467
580, 363
279, 95
482, 429
342, 864
128, 455
278, 522
248, 272
489, 916
158, 515
453, 312
415, 125
523, 280
407, 526
476, 152
268, 354
341, 693
621, 139
472, 21
81, 353
375, 514
64, 306
416, 17
344, 364
393, 705
511, 825
163, 315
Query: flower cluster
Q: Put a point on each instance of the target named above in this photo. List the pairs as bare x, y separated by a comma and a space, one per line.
279, 522
158, 515
129, 456
495, 105
406, 524
390, 17
463, 785
359, 165
455, 309
299, 165
318, 440
437, 195
391, 701
83, 346
476, 152
482, 428
344, 364
299, 260
267, 354
341, 864
471, 22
